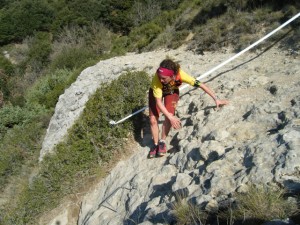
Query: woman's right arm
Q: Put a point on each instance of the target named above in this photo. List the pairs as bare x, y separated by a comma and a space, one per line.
175, 122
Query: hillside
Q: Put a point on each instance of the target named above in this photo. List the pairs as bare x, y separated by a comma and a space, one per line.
255, 139
61, 76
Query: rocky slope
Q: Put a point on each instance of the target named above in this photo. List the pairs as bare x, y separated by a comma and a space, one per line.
255, 139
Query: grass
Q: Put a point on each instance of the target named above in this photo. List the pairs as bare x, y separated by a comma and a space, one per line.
264, 203
259, 204
188, 213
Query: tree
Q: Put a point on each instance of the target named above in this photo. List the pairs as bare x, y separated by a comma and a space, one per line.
143, 12
23, 18
77, 13
117, 15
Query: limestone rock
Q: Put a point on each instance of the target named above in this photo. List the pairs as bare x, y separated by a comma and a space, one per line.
255, 139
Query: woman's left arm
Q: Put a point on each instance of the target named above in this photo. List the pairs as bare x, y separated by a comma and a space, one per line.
218, 101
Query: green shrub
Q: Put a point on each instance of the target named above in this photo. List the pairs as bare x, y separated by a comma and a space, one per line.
39, 51
6, 67
11, 116
143, 35
4, 90
211, 36
243, 42
166, 18
99, 38
168, 39
163, 39
10, 163
19, 147
91, 142
178, 39
238, 29
188, 213
19, 52
72, 57
120, 45
47, 90
262, 203
17, 86
23, 18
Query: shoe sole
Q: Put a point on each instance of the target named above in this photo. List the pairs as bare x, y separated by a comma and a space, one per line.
151, 156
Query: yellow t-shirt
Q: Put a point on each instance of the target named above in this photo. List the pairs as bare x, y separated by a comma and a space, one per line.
159, 89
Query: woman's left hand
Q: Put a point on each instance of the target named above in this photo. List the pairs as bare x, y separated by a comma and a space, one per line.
220, 103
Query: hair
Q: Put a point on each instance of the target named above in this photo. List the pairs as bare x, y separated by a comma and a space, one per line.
171, 65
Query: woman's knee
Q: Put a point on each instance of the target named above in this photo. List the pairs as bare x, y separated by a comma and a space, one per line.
153, 120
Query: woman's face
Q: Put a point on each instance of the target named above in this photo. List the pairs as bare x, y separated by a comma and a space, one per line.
165, 79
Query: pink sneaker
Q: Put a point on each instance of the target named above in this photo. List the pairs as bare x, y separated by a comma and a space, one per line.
162, 149
153, 151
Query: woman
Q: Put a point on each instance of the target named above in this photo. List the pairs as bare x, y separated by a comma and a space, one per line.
164, 96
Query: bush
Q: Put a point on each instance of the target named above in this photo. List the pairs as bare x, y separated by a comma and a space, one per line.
120, 45
262, 203
11, 116
6, 66
258, 205
72, 57
211, 36
188, 213
143, 12
178, 39
168, 39
23, 18
4, 90
91, 143
39, 51
47, 90
144, 35
99, 38
76, 12
20, 147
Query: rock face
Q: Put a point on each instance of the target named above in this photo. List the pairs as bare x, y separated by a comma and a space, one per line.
255, 139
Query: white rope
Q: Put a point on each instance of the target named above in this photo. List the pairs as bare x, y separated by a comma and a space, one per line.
127, 117
220, 65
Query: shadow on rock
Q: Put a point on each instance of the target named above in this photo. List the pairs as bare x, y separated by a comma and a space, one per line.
145, 213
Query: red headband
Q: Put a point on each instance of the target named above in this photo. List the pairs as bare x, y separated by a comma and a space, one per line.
165, 72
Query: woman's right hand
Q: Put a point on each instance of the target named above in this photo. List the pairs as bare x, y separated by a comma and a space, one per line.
175, 122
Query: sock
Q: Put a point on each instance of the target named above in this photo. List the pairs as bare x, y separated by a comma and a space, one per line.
162, 141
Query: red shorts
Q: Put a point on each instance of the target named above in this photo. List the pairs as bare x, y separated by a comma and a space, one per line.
170, 102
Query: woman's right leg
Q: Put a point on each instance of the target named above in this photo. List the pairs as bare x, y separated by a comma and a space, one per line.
153, 116
154, 128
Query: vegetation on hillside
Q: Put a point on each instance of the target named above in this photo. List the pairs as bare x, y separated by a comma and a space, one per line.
45, 44
259, 204
92, 143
